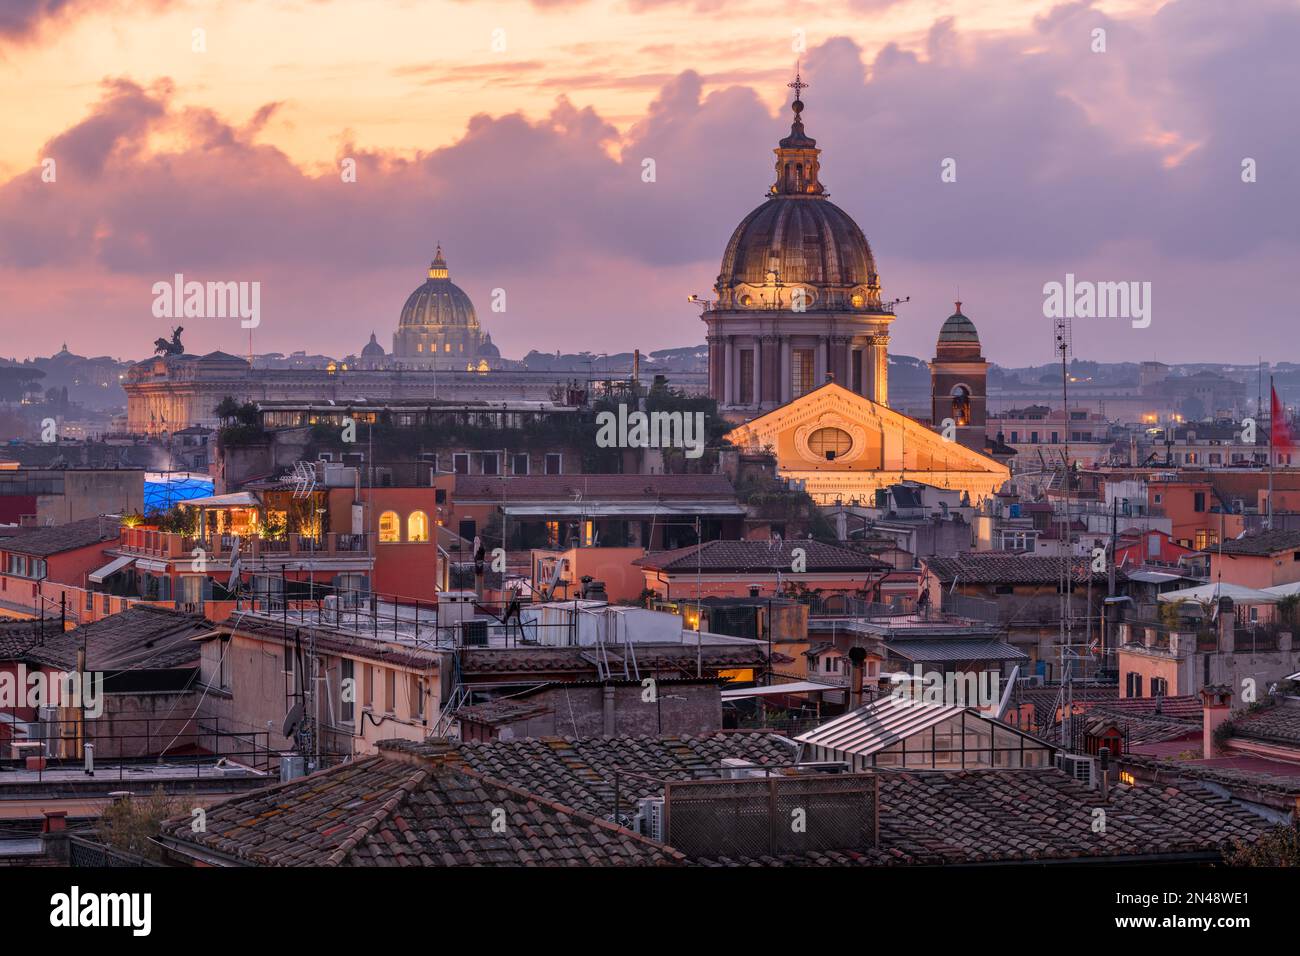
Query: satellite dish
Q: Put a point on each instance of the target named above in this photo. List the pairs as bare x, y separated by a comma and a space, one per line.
293, 719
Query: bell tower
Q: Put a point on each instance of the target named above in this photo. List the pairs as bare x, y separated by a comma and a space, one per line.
959, 382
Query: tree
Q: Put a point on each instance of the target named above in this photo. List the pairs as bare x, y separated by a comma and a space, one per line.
1279, 846
132, 824
1171, 613
1286, 608
227, 410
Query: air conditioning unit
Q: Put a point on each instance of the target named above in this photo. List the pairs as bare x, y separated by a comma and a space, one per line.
1033, 680
292, 766
1082, 769
474, 633
47, 729
649, 819
738, 768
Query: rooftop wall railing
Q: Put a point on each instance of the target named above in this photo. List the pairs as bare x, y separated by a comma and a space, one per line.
166, 544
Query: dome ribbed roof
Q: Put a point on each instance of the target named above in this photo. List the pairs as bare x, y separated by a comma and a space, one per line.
372, 349
959, 330
804, 240
438, 302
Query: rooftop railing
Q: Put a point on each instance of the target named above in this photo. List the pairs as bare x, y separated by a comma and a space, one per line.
170, 545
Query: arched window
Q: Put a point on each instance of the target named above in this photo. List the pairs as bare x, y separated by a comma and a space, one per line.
390, 527
961, 404
417, 526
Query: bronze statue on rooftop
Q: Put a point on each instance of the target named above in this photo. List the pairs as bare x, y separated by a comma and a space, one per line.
174, 347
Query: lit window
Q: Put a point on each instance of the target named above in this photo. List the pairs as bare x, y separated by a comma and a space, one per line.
417, 526
390, 528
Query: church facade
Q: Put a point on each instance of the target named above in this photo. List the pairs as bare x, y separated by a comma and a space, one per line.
798, 341
841, 447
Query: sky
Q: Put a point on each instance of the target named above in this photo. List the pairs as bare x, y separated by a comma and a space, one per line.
146, 138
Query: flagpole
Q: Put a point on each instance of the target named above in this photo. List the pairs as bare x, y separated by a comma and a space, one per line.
1272, 409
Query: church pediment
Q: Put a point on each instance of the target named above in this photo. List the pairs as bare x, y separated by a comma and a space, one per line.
832, 429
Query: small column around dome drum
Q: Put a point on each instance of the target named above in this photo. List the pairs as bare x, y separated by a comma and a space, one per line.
729, 372
771, 370
785, 369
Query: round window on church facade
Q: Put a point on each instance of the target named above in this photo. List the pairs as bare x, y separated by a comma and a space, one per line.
830, 443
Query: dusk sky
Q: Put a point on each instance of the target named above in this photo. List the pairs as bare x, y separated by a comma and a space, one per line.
526, 163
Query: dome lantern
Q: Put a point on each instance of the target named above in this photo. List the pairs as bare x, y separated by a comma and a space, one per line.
797, 166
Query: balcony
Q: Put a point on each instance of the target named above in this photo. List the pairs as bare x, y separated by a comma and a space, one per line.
166, 545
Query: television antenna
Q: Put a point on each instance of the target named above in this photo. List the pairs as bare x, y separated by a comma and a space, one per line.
1063, 336
303, 478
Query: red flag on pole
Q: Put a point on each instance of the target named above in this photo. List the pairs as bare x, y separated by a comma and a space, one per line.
1280, 429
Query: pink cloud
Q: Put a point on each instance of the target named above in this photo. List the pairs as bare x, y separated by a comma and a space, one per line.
1060, 168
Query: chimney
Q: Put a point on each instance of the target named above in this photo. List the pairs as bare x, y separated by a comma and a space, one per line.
54, 835
858, 657
607, 709
432, 752
1216, 708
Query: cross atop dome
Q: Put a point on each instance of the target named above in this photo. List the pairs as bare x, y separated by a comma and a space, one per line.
796, 155
798, 86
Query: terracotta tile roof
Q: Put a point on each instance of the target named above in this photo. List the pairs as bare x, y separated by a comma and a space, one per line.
928, 817
45, 540
1025, 816
1261, 543
581, 660
1187, 707
1279, 723
427, 804
579, 771
999, 815
591, 487
139, 638
955, 650
18, 637
1044, 700
387, 810
1142, 729
742, 556
1000, 567
1143, 719
1271, 776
